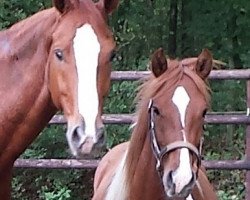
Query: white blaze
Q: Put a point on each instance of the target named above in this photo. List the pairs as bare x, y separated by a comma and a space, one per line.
181, 100
87, 48
183, 174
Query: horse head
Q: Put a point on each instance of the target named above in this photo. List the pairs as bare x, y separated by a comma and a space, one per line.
176, 111
79, 68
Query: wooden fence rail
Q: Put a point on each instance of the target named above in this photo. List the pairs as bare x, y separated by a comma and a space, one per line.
92, 164
211, 118
130, 118
214, 75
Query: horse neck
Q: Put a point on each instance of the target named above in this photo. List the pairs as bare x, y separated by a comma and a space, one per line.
140, 164
23, 82
24, 55
24, 48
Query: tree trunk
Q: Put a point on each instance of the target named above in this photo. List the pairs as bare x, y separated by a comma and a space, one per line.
173, 12
187, 40
235, 43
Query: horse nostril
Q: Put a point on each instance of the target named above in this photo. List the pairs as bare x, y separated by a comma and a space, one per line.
75, 136
193, 179
170, 182
100, 135
78, 136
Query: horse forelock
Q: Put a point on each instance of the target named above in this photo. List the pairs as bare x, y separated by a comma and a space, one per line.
168, 80
94, 16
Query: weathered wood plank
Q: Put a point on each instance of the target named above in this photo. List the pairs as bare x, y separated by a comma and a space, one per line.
130, 118
92, 164
214, 75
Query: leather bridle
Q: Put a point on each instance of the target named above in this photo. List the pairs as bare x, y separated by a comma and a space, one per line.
159, 152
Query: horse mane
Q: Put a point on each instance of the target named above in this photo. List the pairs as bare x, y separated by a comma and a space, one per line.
170, 78
24, 34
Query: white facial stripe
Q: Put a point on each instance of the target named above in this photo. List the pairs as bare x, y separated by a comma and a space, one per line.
183, 175
184, 136
87, 48
181, 100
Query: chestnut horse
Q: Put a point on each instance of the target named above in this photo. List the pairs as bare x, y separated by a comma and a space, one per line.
57, 59
162, 159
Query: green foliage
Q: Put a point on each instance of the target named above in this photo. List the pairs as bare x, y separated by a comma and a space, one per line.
49, 144
117, 134
15, 10
47, 184
59, 192
223, 93
120, 99
213, 26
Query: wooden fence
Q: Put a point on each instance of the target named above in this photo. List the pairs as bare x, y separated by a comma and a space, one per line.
211, 118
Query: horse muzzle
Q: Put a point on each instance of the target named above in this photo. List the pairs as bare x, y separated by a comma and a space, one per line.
84, 145
173, 190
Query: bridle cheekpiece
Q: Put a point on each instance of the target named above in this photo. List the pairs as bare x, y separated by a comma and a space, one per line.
159, 153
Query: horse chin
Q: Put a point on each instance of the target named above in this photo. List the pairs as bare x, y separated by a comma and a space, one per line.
89, 149
171, 193
83, 146
87, 146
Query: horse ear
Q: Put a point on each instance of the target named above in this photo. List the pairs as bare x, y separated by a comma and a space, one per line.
204, 64
108, 6
159, 62
64, 6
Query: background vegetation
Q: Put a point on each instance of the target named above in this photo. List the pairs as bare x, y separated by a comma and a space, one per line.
182, 28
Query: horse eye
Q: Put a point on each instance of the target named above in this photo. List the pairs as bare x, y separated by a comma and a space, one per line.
112, 55
59, 54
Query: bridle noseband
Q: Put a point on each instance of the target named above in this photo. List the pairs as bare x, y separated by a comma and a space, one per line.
159, 153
